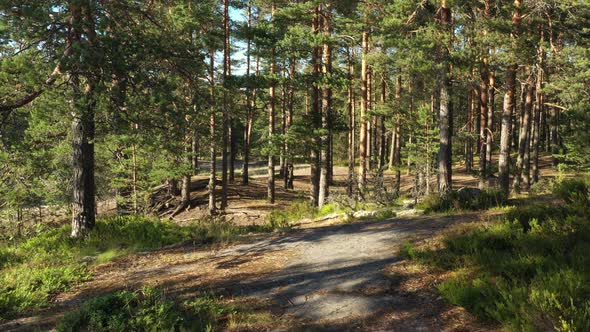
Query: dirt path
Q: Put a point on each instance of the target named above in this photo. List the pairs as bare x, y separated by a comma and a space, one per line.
336, 277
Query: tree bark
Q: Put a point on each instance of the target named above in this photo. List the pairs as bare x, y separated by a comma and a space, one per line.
225, 114
508, 109
288, 179
326, 106
212, 151
470, 130
83, 127
539, 105
315, 112
271, 123
445, 112
490, 126
351, 124
483, 127
251, 104
397, 156
362, 175
523, 138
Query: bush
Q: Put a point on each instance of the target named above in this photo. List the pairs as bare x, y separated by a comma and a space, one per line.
454, 201
530, 271
539, 212
278, 219
572, 191
145, 310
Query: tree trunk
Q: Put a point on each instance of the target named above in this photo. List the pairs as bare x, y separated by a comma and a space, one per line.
288, 179
445, 112
326, 106
539, 105
83, 130
271, 123
195, 152
508, 110
351, 125
470, 129
483, 127
225, 114
84, 205
491, 111
315, 113
382, 133
523, 137
362, 176
212, 152
397, 156
250, 103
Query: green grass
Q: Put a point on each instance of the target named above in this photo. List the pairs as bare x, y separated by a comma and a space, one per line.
528, 271
147, 309
298, 210
52, 262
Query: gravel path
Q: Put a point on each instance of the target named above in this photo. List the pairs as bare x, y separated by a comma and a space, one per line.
338, 272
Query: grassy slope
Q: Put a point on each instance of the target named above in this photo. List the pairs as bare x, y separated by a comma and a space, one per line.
51, 262
528, 271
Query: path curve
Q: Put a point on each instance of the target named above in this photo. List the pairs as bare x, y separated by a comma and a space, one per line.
334, 277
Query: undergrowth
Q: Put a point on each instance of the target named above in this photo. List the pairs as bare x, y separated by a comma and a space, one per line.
457, 200
299, 210
529, 271
51, 262
147, 309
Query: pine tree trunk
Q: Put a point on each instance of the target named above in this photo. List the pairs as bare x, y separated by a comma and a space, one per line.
539, 105
371, 135
250, 103
225, 114
351, 125
288, 179
315, 113
470, 129
195, 152
397, 157
383, 143
445, 112
523, 138
491, 111
233, 134
326, 107
508, 110
483, 127
212, 152
271, 123
84, 205
362, 175
83, 130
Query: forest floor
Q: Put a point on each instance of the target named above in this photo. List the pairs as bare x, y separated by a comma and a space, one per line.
327, 277
318, 276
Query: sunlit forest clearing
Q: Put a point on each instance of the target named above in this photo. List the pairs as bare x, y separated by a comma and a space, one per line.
310, 165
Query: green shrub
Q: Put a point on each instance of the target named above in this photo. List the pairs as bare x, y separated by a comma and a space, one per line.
530, 271
408, 251
145, 310
540, 212
298, 210
436, 203
475, 295
453, 201
572, 190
